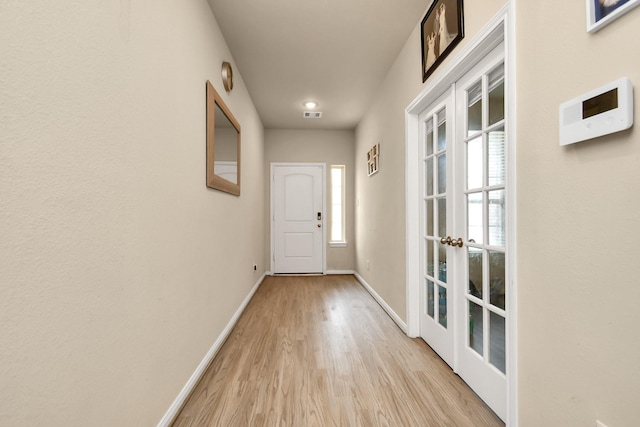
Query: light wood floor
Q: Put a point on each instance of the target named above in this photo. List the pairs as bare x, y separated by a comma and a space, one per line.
319, 351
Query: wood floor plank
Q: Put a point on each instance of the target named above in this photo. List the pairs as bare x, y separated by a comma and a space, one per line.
319, 351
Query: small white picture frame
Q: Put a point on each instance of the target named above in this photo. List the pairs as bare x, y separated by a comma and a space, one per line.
603, 12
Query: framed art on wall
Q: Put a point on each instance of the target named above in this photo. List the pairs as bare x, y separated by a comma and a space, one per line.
603, 12
442, 29
373, 160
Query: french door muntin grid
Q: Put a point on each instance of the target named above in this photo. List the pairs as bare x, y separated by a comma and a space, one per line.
435, 205
485, 216
485, 189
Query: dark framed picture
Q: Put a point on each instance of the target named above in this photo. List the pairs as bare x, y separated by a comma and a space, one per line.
442, 30
603, 12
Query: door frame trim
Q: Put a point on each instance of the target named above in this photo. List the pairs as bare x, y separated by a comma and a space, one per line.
499, 29
272, 211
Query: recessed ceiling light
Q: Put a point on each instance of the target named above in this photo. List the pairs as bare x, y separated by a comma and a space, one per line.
310, 104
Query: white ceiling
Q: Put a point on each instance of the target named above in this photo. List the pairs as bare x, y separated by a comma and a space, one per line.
335, 52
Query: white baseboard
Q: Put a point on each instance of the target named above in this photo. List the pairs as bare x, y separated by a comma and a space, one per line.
177, 404
340, 272
268, 273
394, 316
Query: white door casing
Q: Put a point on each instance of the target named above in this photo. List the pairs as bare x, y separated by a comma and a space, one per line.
297, 205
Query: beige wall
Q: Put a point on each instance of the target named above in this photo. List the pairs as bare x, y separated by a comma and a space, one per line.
118, 267
380, 206
577, 226
315, 146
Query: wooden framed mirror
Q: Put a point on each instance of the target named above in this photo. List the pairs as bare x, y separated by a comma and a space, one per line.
223, 145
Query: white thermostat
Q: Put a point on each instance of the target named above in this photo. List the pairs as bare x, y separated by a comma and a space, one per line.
602, 111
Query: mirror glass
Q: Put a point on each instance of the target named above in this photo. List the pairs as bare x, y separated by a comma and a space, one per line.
223, 145
225, 149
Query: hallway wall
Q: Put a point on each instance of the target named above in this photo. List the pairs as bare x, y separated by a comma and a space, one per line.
118, 267
577, 226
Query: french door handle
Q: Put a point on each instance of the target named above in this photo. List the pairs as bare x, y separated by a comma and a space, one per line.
452, 242
457, 242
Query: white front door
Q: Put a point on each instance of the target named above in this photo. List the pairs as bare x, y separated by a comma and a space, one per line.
297, 193
463, 294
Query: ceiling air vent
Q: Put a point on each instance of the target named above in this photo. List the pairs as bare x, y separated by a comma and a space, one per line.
312, 114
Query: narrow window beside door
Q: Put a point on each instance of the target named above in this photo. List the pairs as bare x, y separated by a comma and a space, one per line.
337, 207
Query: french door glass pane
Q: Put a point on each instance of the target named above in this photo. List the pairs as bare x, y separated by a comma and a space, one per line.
429, 141
474, 163
497, 279
496, 95
475, 272
430, 298
442, 131
442, 263
442, 217
496, 218
496, 157
429, 176
474, 108
442, 173
430, 217
442, 306
430, 257
497, 342
474, 217
476, 329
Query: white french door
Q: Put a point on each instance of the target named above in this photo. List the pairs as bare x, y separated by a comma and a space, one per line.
481, 194
436, 319
463, 313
